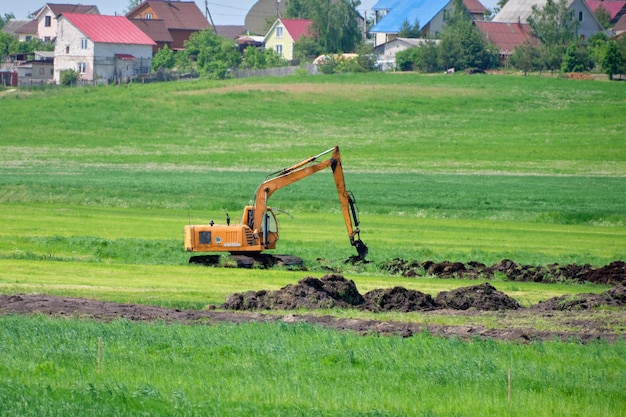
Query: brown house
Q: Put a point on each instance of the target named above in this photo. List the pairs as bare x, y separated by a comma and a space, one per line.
168, 23
505, 36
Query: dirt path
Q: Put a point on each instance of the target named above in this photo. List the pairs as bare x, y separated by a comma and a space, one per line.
472, 302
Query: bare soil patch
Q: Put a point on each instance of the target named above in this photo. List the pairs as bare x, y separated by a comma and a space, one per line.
334, 291
611, 274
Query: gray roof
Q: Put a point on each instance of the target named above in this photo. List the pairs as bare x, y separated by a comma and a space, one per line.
16, 26
515, 11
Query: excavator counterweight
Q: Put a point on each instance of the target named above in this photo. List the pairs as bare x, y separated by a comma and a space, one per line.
258, 229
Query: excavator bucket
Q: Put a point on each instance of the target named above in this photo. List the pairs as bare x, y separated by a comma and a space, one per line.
361, 249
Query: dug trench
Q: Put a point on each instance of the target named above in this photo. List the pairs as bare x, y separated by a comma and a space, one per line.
577, 314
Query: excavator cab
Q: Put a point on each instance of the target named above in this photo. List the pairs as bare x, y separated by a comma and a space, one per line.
269, 226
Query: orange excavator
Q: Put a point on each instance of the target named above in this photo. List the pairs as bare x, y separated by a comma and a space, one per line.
258, 230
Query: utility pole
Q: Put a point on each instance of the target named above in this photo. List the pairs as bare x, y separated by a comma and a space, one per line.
208, 15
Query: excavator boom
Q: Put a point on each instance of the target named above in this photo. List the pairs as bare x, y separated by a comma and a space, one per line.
306, 168
258, 229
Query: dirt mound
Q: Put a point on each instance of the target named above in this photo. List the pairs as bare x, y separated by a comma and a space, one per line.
329, 292
335, 291
613, 273
399, 299
615, 297
481, 297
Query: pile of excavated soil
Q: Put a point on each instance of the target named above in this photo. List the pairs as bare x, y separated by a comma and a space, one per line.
611, 274
615, 297
336, 291
332, 291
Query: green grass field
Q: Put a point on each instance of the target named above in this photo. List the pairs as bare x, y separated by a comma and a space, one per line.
96, 185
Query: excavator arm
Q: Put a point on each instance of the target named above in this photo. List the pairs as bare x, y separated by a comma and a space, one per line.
301, 170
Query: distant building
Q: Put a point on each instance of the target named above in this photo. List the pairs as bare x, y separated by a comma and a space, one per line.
168, 23
430, 15
518, 11
101, 47
505, 36
46, 18
284, 34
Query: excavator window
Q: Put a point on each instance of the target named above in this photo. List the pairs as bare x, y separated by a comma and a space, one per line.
271, 222
205, 238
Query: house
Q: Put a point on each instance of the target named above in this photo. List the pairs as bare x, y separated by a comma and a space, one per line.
24, 30
232, 32
284, 34
46, 18
620, 27
37, 71
615, 9
101, 47
388, 50
431, 16
505, 36
518, 11
179, 18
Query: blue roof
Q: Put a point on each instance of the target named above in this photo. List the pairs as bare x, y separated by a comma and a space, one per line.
422, 11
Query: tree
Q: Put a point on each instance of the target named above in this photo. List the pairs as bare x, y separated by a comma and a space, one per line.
334, 24
526, 57
576, 58
164, 58
603, 16
5, 19
614, 61
69, 77
8, 44
408, 60
408, 31
254, 58
133, 3
213, 55
462, 45
306, 49
555, 27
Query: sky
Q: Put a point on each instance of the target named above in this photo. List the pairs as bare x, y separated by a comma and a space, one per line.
223, 12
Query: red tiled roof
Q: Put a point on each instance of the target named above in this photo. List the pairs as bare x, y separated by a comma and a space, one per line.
108, 29
621, 24
176, 14
296, 27
613, 7
506, 36
474, 6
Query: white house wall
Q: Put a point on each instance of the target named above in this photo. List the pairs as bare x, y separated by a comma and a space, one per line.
47, 33
100, 61
68, 51
108, 67
589, 25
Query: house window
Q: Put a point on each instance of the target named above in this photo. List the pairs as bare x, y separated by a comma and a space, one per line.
48, 21
279, 32
148, 16
83, 43
67, 49
28, 38
46, 39
82, 67
580, 16
279, 50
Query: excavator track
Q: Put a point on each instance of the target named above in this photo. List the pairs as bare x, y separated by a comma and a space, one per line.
259, 260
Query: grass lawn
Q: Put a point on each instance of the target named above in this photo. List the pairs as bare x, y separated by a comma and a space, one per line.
97, 183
